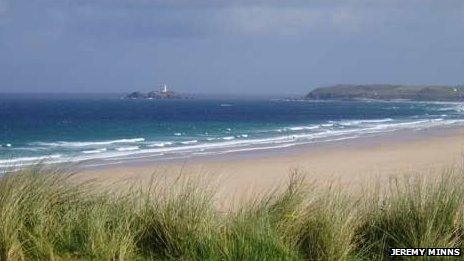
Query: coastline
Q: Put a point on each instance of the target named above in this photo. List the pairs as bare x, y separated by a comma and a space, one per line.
148, 133
352, 163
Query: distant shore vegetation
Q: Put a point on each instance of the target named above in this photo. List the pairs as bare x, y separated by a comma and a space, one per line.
388, 92
48, 215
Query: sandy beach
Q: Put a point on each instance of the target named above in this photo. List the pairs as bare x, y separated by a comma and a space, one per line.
352, 163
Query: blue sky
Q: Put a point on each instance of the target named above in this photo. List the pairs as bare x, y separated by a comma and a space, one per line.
234, 47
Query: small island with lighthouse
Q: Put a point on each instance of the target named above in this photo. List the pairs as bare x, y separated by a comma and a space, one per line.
164, 93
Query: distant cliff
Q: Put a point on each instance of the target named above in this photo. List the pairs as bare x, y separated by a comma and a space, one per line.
388, 92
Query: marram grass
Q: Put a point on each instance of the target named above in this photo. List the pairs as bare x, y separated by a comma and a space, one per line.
47, 215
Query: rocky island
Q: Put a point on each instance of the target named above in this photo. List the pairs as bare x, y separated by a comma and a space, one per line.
388, 92
162, 94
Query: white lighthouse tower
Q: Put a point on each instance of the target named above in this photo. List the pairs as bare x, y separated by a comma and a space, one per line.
164, 88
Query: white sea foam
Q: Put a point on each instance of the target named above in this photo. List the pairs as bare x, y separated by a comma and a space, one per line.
244, 135
189, 142
86, 143
93, 151
358, 122
407, 124
131, 148
20, 160
298, 128
177, 134
229, 138
160, 144
29, 149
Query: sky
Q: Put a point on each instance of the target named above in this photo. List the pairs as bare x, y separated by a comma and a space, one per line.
227, 46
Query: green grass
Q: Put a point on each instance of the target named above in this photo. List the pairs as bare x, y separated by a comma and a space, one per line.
44, 215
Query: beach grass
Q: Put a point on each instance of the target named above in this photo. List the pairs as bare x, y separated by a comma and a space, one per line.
48, 215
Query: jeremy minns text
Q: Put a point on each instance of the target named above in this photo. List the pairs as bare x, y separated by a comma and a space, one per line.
424, 252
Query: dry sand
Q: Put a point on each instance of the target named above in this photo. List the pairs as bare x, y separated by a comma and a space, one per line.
351, 163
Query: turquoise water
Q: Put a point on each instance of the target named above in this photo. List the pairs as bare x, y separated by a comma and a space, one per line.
103, 130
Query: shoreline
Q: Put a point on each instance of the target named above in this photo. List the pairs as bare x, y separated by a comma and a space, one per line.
352, 163
366, 140
220, 134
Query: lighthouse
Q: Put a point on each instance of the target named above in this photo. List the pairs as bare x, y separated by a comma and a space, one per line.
162, 93
164, 88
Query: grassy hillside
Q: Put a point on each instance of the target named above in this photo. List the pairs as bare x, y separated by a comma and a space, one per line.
388, 92
45, 216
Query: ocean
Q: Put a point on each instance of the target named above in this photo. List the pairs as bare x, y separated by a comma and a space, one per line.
101, 130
